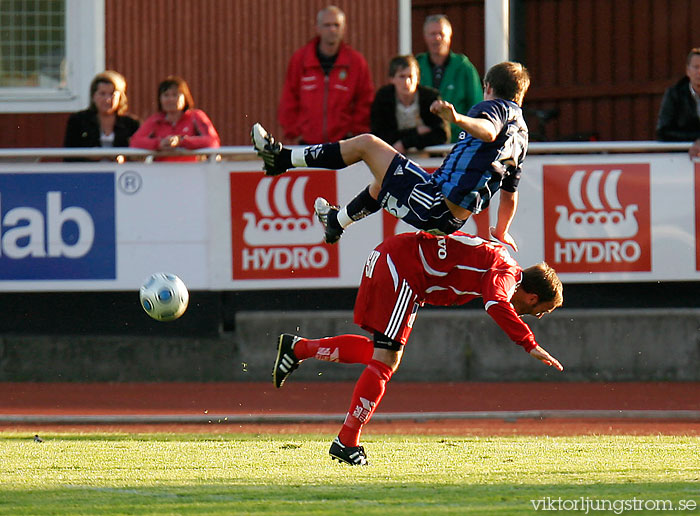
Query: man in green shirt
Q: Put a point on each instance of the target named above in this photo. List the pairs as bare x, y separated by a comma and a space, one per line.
452, 74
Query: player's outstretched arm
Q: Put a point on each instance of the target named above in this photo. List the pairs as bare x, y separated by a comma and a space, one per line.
478, 127
506, 211
541, 354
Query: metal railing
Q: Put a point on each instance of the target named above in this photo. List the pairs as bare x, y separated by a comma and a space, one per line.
246, 152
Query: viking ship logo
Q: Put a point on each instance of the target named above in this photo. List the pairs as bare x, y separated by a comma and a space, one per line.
287, 224
597, 219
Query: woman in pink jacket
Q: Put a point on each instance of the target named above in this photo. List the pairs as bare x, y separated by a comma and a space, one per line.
177, 125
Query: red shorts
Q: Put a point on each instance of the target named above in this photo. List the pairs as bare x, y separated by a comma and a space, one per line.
385, 301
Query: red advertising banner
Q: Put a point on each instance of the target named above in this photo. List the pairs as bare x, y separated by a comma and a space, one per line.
597, 217
275, 233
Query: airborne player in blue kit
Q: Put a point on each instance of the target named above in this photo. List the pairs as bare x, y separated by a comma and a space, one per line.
487, 158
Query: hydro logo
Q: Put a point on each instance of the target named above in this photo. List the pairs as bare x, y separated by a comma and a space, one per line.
275, 233
597, 217
57, 226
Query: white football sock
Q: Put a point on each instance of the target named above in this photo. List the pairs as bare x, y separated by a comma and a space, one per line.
343, 218
298, 159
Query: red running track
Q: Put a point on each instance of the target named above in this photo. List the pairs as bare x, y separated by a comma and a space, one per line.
333, 398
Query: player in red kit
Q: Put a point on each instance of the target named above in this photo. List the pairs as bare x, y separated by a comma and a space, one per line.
400, 275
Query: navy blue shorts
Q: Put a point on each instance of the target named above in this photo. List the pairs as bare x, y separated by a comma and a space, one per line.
409, 194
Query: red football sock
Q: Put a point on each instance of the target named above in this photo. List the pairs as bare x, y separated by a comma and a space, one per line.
347, 349
368, 392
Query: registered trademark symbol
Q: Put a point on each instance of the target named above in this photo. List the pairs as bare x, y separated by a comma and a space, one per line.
130, 182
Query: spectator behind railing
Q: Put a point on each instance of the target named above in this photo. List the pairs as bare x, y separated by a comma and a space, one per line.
328, 88
401, 113
105, 122
452, 74
679, 116
177, 125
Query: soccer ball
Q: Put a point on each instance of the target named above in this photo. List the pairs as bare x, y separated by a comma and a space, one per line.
164, 296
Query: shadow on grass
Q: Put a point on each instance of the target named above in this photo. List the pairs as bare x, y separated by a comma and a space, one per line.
386, 499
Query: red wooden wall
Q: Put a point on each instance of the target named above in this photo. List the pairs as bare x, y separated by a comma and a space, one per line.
604, 64
233, 54
467, 19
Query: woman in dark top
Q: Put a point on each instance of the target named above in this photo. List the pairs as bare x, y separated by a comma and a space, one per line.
401, 110
105, 122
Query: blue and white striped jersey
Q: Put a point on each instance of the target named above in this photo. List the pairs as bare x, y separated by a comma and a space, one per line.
473, 165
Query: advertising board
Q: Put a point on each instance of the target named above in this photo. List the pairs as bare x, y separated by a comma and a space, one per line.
226, 226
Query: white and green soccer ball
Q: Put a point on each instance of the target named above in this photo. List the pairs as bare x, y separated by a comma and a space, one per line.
164, 296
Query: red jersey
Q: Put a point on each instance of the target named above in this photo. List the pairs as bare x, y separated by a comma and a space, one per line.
418, 268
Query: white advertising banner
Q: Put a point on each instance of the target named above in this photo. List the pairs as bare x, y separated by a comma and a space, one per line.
101, 226
610, 218
226, 226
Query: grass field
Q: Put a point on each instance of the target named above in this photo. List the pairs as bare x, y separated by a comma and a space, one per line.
108, 474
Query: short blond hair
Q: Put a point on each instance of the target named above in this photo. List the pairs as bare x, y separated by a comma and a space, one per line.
334, 9
437, 18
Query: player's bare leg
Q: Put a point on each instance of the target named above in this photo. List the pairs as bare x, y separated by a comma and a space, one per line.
376, 153
373, 151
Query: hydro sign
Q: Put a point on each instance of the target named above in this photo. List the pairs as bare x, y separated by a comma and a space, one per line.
57, 226
597, 217
275, 233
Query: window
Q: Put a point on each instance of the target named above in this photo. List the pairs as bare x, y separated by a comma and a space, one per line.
49, 52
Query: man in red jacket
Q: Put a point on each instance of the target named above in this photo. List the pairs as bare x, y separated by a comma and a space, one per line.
328, 89
400, 275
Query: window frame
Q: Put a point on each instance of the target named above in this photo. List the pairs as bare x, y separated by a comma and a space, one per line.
85, 57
